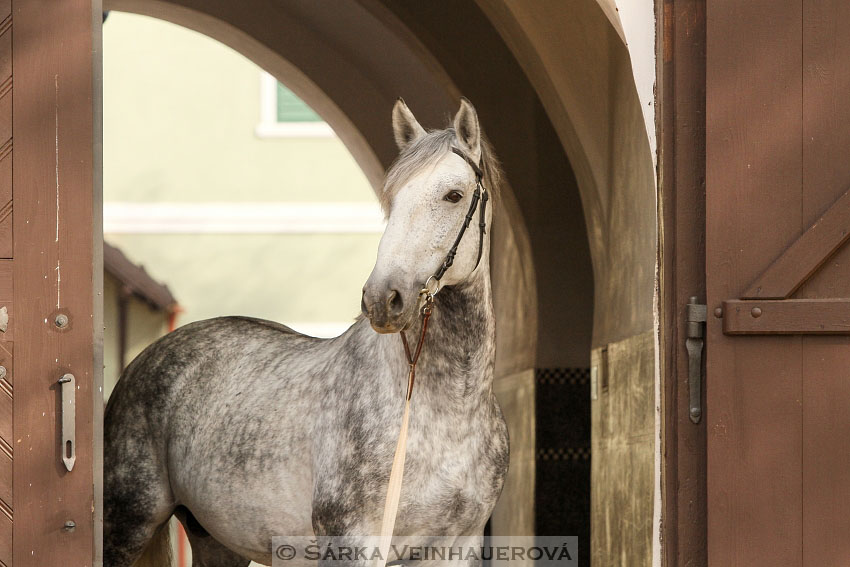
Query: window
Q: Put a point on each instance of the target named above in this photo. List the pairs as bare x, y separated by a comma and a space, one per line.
284, 115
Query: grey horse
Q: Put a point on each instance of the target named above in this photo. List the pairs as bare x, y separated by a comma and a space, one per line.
246, 430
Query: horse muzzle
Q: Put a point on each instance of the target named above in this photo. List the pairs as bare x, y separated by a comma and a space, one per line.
385, 308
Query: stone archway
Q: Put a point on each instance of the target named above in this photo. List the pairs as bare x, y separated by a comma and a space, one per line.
577, 230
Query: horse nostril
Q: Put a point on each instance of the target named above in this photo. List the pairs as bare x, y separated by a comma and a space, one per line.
395, 304
363, 304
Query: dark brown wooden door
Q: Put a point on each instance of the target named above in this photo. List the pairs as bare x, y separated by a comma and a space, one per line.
48, 271
778, 387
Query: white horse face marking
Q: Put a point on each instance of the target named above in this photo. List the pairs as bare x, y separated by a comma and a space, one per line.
426, 215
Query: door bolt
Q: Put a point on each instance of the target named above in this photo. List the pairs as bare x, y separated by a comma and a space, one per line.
695, 315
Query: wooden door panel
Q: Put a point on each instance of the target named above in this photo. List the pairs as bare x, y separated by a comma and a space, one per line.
825, 450
753, 192
778, 129
5, 412
826, 360
6, 106
7, 300
6, 529
6, 475
6, 416
6, 290
826, 135
5, 130
6, 452
5, 44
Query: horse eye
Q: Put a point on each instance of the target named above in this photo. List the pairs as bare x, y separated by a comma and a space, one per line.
453, 196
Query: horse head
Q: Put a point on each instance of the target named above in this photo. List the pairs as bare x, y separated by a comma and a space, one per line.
435, 187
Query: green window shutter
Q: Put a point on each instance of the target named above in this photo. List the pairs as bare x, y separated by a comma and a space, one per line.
290, 108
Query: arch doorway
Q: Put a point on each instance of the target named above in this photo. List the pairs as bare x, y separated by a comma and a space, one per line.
575, 241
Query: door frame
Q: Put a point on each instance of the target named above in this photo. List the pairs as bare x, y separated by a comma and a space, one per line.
57, 192
681, 171
681, 127
98, 404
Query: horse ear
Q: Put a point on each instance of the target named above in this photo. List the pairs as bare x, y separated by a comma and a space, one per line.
467, 129
405, 127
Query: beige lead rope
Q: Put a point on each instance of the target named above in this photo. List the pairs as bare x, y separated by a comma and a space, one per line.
394, 488
397, 472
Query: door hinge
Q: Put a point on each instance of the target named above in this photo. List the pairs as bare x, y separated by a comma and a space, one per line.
695, 342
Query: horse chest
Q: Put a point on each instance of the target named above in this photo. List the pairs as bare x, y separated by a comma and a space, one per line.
455, 462
453, 477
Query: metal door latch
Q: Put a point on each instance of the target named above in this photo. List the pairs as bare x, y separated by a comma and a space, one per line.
696, 317
69, 439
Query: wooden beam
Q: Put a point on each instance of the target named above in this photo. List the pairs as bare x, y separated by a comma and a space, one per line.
805, 255
787, 317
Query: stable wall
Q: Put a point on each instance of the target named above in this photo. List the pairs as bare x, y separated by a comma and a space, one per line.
582, 72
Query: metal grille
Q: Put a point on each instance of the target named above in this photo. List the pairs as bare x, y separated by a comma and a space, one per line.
571, 376
562, 454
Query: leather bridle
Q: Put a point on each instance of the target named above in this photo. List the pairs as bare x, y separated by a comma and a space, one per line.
479, 195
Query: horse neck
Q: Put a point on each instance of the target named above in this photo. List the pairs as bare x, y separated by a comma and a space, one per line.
456, 365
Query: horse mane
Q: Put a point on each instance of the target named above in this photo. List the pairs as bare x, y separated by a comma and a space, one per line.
427, 150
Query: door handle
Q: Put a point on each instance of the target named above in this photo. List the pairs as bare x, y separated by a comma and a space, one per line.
696, 317
69, 420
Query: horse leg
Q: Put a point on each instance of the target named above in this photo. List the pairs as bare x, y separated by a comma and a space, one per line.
206, 550
137, 506
137, 497
134, 522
